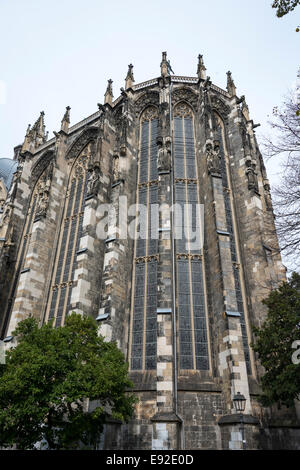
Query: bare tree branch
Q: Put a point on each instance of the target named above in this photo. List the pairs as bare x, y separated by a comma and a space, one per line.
286, 195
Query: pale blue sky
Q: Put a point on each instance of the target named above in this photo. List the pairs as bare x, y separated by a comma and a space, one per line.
60, 53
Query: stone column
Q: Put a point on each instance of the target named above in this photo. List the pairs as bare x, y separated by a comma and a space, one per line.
166, 423
232, 364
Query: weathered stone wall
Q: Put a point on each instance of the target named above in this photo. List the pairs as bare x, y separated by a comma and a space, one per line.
176, 409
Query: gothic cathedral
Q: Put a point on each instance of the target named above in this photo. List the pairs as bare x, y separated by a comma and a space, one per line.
180, 291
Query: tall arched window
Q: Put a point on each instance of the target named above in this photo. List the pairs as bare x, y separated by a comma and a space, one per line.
144, 313
58, 303
191, 304
33, 212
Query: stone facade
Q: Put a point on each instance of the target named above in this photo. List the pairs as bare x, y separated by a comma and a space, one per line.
182, 315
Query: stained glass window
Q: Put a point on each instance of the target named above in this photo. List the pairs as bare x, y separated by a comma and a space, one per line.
192, 327
68, 245
144, 323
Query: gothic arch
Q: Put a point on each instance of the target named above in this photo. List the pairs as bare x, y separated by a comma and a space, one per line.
185, 94
63, 274
183, 109
42, 163
146, 99
87, 135
148, 113
220, 107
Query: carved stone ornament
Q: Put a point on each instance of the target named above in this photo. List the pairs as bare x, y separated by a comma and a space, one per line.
245, 139
81, 164
93, 182
163, 127
150, 113
183, 110
87, 135
268, 198
42, 204
164, 156
116, 167
185, 94
40, 166
218, 105
43, 190
251, 175
146, 99
213, 157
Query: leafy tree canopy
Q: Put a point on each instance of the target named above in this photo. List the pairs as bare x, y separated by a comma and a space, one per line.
275, 343
284, 6
47, 379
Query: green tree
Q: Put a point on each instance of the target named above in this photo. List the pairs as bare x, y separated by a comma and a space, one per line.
47, 379
284, 7
275, 343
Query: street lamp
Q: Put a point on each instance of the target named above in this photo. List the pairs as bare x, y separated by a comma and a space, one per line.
239, 402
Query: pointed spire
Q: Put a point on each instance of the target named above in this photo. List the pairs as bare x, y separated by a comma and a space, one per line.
108, 97
129, 80
38, 128
36, 135
230, 85
27, 139
164, 66
65, 120
201, 70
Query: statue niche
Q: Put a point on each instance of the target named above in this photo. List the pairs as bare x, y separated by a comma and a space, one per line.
164, 155
93, 182
43, 192
115, 170
251, 175
213, 157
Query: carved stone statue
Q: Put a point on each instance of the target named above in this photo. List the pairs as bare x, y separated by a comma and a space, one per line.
164, 155
93, 181
44, 191
251, 175
116, 168
245, 139
213, 157
268, 198
43, 203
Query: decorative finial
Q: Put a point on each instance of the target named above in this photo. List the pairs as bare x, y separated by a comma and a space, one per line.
37, 132
36, 135
230, 85
164, 66
201, 70
108, 97
66, 120
129, 80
